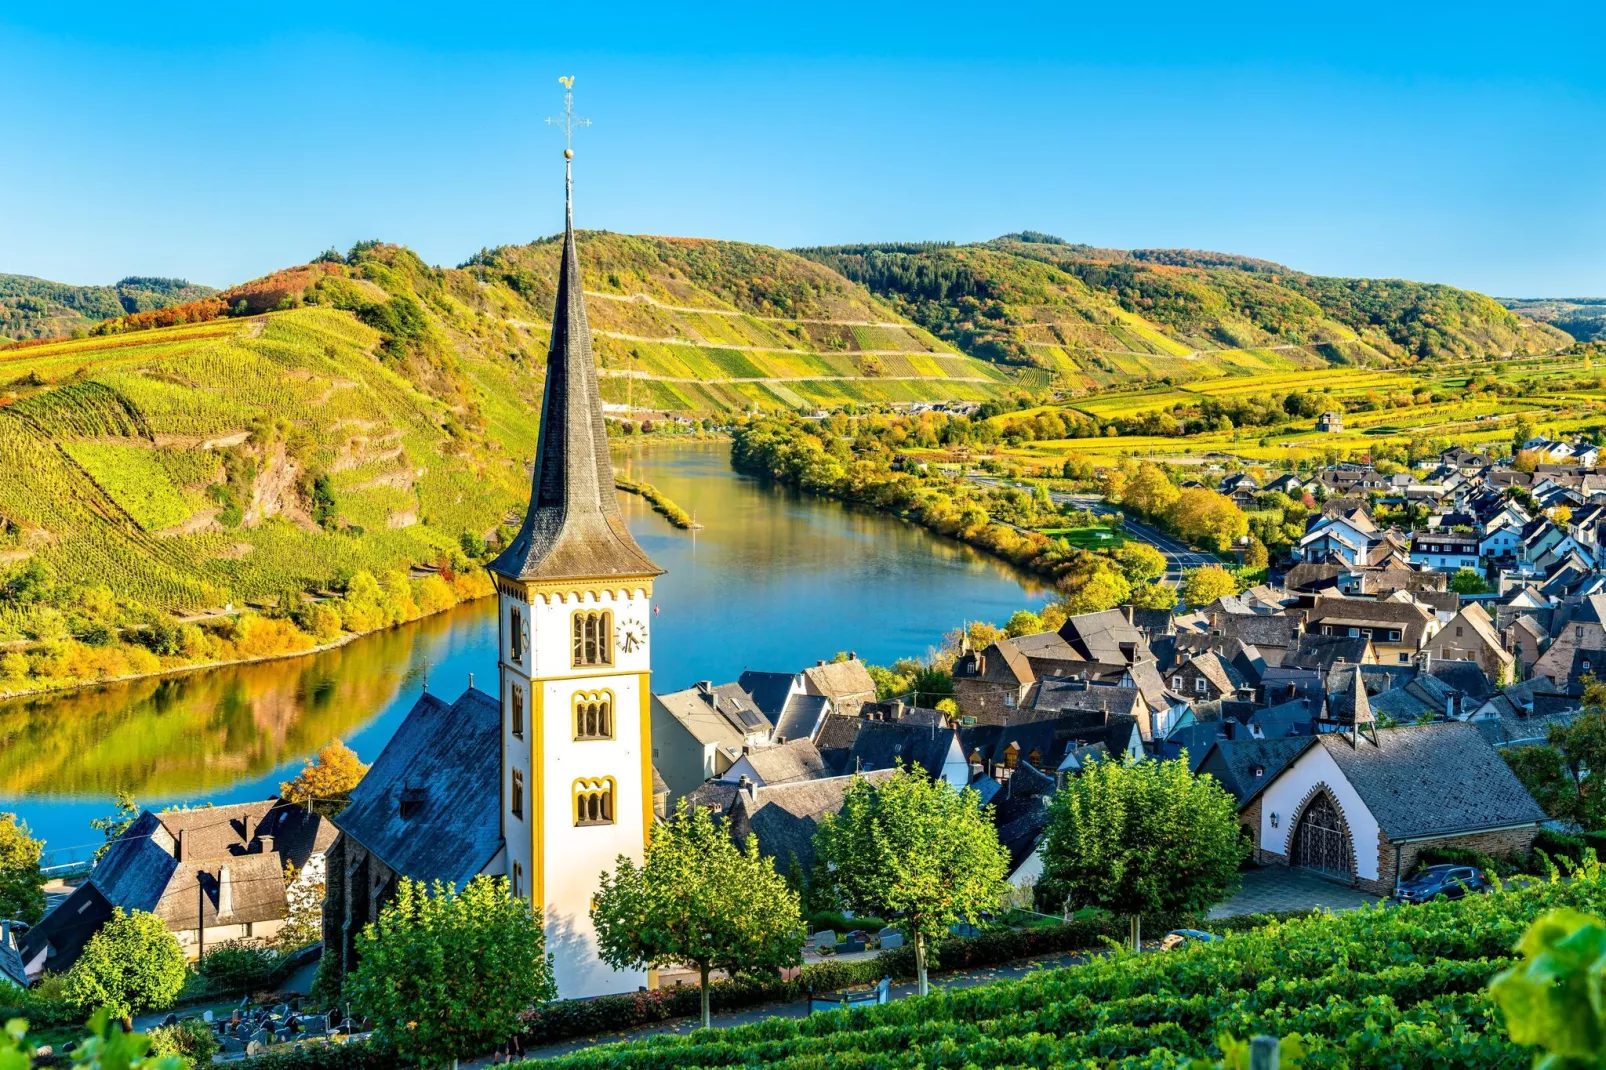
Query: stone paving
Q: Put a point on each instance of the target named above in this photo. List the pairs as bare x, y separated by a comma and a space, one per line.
1278, 888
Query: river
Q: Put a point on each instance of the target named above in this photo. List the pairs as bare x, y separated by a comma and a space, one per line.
774, 580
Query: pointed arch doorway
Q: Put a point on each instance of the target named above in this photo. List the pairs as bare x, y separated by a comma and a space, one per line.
1322, 840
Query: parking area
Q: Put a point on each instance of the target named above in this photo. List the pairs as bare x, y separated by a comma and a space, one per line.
1278, 888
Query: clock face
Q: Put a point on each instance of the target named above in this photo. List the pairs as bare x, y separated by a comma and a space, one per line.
632, 635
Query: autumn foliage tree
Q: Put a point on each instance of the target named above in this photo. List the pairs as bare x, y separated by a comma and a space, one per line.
325, 784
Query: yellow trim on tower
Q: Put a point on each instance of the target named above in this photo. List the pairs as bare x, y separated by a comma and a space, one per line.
646, 758
538, 798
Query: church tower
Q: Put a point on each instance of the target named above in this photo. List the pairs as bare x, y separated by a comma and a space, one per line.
574, 596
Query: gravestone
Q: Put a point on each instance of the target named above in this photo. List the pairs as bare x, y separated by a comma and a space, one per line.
207, 1017
824, 939
263, 1037
233, 1046
891, 941
170, 1019
851, 945
256, 1047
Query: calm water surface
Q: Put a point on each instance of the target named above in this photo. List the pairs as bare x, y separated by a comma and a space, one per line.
774, 580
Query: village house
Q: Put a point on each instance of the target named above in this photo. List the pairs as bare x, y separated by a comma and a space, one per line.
211, 874
1397, 629
1470, 636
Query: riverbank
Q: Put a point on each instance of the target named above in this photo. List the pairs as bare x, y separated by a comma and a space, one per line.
660, 502
70, 664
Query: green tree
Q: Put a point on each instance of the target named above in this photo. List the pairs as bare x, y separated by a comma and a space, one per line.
1202, 586
1023, 622
913, 848
1466, 581
1141, 837
1140, 562
1582, 744
132, 964
116, 823
445, 973
1544, 773
1154, 596
1523, 431
21, 883
699, 901
107, 1047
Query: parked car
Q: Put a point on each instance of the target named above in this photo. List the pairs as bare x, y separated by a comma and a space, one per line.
1444, 881
1177, 937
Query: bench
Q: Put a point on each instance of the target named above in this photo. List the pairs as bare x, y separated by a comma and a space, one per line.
861, 997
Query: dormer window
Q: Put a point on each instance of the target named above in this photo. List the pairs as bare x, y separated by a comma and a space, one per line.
1259, 771
412, 801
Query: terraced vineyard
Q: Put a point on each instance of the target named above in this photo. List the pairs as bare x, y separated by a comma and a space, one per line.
1376, 988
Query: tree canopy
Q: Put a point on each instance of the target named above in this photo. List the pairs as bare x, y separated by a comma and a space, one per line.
698, 900
444, 974
326, 782
915, 849
1141, 837
1201, 586
21, 883
132, 964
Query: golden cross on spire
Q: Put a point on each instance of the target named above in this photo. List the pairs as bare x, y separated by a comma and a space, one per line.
568, 122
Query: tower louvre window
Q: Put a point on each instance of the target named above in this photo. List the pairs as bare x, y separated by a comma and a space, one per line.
593, 715
515, 712
517, 794
515, 637
593, 801
593, 638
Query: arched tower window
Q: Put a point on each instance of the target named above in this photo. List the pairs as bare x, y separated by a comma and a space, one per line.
593, 637
593, 715
515, 634
593, 801
515, 711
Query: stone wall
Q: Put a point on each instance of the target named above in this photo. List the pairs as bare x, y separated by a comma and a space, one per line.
1495, 844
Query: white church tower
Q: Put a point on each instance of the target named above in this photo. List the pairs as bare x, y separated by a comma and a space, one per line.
574, 593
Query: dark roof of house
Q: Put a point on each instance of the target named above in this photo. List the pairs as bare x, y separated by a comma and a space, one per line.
783, 816
1063, 693
801, 716
795, 760
1433, 780
886, 744
573, 528
1153, 621
1466, 677
1351, 705
1312, 576
1100, 636
11, 967
769, 690
1259, 629
835, 739
1244, 766
62, 933
1322, 652
1020, 812
1406, 616
448, 760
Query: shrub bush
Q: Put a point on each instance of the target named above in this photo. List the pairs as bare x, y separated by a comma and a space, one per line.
238, 966
191, 1039
356, 1055
46, 1004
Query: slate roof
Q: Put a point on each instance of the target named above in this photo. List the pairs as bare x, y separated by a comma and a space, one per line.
794, 760
1266, 632
801, 717
62, 933
573, 528
887, 744
1067, 694
1310, 576
1235, 762
722, 714
846, 683
1099, 636
452, 756
1322, 652
784, 817
1408, 618
768, 690
11, 968
255, 892
1433, 780
1020, 812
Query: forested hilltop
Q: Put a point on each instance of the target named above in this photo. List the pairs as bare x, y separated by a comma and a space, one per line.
35, 308
1087, 317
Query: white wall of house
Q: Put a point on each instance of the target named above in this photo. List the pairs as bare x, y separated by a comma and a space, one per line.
1291, 787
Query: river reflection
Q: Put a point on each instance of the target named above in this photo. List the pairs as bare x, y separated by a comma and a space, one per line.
774, 580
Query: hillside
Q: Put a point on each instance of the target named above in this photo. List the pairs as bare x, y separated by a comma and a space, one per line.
370, 412
35, 308
1094, 317
1582, 317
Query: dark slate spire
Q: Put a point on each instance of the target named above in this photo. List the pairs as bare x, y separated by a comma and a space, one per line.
574, 529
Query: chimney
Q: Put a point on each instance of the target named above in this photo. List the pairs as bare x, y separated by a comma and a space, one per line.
265, 843
896, 711
746, 750
1129, 612
820, 663
853, 655
225, 893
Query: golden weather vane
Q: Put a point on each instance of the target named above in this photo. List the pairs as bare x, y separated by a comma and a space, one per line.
568, 122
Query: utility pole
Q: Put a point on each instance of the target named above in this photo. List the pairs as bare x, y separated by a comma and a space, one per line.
200, 919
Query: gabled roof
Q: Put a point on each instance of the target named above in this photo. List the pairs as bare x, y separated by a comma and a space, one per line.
1433, 780
843, 682
62, 933
448, 759
1100, 636
888, 744
801, 717
1215, 668
1245, 766
768, 690
784, 816
1322, 652
573, 528
1260, 630
795, 760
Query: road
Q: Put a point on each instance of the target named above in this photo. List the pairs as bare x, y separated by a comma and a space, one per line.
1178, 556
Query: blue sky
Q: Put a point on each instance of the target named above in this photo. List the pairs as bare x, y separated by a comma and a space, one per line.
1460, 143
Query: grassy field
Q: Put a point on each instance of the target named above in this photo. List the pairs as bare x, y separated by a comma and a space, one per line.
1099, 537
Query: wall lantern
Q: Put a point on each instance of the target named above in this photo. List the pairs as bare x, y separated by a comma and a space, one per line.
1274, 819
